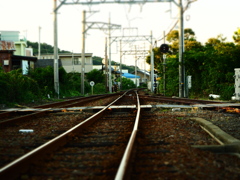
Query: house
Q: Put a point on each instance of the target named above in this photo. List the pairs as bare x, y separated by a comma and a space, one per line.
6, 52
9, 61
115, 72
134, 78
14, 53
71, 62
144, 76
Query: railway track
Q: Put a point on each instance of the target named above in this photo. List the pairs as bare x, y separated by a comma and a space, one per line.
7, 117
177, 100
126, 141
60, 140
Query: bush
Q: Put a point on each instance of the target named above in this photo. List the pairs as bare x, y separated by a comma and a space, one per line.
99, 88
226, 91
127, 84
38, 85
45, 79
18, 88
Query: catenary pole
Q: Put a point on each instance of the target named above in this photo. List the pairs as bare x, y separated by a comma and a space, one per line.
39, 42
136, 66
55, 65
120, 64
181, 50
83, 52
164, 69
106, 65
109, 52
152, 64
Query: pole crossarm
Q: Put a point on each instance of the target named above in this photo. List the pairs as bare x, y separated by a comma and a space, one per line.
131, 38
95, 2
134, 52
62, 2
102, 26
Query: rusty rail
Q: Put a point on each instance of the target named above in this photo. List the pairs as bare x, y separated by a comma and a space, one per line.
178, 100
122, 170
68, 103
12, 170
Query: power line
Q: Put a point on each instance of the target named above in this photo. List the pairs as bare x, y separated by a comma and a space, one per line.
174, 25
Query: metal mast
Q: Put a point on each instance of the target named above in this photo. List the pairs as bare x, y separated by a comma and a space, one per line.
83, 52
182, 88
152, 65
39, 43
55, 65
109, 55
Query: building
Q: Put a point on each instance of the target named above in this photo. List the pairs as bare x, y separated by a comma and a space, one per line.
71, 62
6, 52
10, 36
134, 78
14, 53
144, 76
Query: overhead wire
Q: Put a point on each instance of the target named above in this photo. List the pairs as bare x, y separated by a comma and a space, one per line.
174, 25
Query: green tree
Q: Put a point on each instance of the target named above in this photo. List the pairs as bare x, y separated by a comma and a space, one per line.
173, 36
189, 34
189, 40
45, 48
212, 67
127, 84
97, 60
236, 36
96, 76
158, 60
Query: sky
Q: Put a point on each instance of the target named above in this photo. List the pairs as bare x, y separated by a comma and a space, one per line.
207, 18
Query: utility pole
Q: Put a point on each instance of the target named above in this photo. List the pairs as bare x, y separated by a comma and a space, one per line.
164, 68
55, 65
109, 51
39, 44
83, 52
182, 83
120, 64
144, 65
106, 66
152, 65
102, 26
135, 66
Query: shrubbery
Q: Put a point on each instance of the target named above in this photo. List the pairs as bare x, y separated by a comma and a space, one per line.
16, 88
37, 85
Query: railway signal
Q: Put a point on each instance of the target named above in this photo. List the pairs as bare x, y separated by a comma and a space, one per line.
164, 48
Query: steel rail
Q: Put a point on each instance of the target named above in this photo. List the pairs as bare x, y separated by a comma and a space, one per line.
179, 100
23, 118
68, 103
60, 103
13, 169
123, 167
73, 101
55, 104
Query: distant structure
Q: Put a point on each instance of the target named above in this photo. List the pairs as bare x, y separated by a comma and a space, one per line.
71, 62
14, 53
